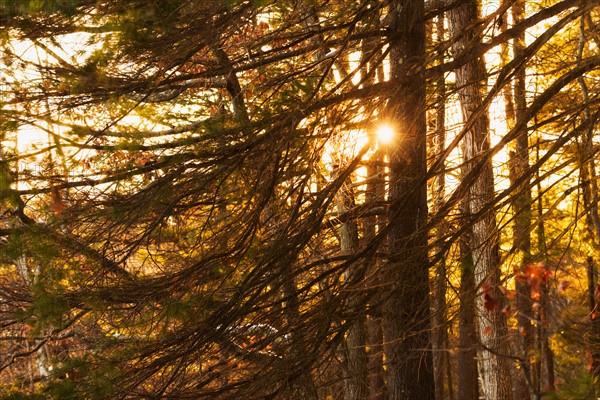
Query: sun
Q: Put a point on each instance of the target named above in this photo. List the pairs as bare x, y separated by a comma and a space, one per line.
385, 134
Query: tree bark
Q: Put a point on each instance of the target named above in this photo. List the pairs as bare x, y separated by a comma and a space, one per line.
521, 205
439, 313
484, 243
375, 192
468, 382
546, 369
303, 387
594, 334
377, 387
590, 201
406, 313
355, 355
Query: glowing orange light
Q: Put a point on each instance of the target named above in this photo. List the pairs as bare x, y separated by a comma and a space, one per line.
385, 134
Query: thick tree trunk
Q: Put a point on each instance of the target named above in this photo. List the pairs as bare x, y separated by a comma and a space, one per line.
406, 314
484, 242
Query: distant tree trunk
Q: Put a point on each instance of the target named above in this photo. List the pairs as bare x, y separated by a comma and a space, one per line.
439, 340
377, 387
375, 189
546, 382
466, 359
589, 182
375, 192
406, 314
30, 271
521, 205
371, 55
303, 386
594, 335
484, 242
355, 355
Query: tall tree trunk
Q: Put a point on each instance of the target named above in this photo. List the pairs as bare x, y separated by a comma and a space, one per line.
374, 193
546, 382
303, 387
590, 200
355, 355
377, 387
371, 55
466, 359
594, 334
439, 315
521, 205
29, 270
484, 243
406, 313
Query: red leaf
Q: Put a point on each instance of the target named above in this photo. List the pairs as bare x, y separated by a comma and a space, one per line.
487, 330
535, 290
489, 303
506, 310
537, 271
536, 274
589, 360
547, 274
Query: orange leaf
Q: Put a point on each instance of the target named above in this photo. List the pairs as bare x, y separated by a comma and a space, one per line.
487, 330
537, 272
